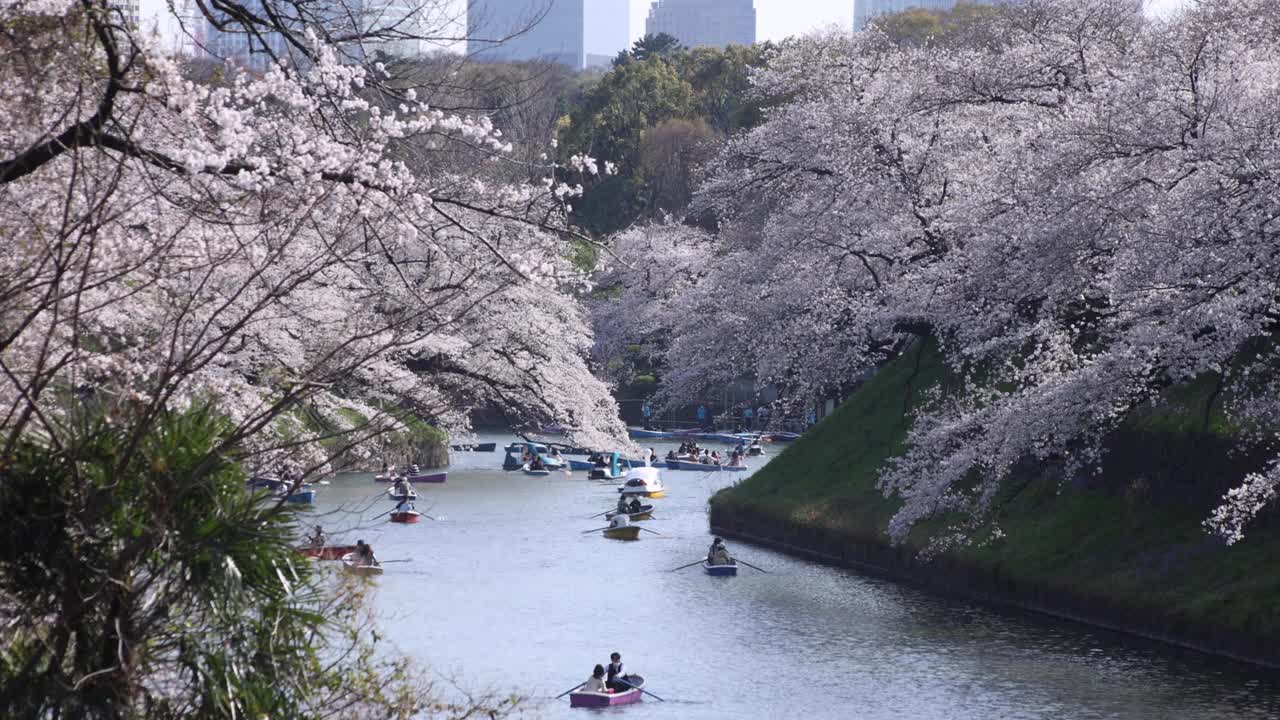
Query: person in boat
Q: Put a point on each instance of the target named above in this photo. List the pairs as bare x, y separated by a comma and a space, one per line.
555, 452
384, 467
718, 554
536, 463
405, 505
401, 487
317, 538
614, 674
364, 554
620, 521
634, 506
735, 460
715, 457
653, 457
413, 469
671, 455
595, 683
622, 504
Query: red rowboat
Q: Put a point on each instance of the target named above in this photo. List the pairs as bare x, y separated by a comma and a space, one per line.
409, 516
328, 552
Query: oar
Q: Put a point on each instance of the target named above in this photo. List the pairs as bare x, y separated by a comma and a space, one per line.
633, 687
744, 562
593, 517
386, 562
696, 562
651, 531
375, 517
566, 692
606, 527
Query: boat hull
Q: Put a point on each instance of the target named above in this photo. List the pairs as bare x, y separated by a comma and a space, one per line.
349, 565
405, 518
431, 478
702, 467
629, 532
328, 552
302, 497
720, 570
537, 473
482, 447
600, 700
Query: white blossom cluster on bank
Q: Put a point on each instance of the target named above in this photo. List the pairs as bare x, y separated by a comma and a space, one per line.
292, 245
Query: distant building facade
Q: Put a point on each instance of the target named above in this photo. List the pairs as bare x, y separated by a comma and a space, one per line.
864, 11
576, 33
704, 23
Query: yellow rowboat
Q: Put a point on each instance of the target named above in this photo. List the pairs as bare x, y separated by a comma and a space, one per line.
624, 532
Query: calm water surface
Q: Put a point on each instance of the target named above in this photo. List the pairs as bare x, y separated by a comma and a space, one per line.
505, 593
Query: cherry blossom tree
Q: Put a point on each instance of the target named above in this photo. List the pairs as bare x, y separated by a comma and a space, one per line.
1076, 201
202, 276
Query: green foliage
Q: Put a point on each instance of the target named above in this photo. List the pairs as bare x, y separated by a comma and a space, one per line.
682, 102
139, 578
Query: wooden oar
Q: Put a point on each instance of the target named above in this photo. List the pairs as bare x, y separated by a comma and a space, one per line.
696, 562
651, 531
744, 562
375, 517
384, 562
633, 687
606, 527
606, 512
566, 692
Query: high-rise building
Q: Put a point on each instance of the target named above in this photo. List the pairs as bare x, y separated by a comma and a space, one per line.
570, 32
704, 23
864, 11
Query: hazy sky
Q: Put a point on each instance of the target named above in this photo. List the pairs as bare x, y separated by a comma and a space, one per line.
775, 19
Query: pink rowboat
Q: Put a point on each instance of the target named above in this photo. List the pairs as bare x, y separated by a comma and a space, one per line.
599, 700
408, 517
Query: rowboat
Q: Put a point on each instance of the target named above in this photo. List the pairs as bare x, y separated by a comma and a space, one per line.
720, 570
401, 497
646, 481
349, 564
623, 532
703, 467
328, 552
609, 699
432, 478
482, 447
646, 513
755, 450
407, 517
536, 473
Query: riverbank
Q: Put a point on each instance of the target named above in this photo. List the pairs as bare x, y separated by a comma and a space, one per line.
1125, 551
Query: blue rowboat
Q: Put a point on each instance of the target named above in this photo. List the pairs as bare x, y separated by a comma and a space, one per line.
720, 570
701, 467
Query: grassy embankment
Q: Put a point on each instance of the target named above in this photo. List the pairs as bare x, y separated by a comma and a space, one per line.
1129, 545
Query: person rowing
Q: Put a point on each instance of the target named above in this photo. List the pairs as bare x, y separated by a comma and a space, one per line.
364, 554
622, 504
718, 554
635, 505
405, 505
615, 677
317, 538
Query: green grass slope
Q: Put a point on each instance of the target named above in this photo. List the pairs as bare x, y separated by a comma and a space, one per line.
1124, 549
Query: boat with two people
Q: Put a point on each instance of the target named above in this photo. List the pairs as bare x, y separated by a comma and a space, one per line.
608, 687
719, 562
521, 454
632, 508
